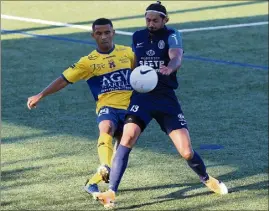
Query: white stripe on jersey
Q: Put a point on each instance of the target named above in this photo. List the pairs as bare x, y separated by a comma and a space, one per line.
175, 37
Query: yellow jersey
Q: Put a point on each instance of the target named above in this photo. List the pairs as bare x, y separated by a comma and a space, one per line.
107, 75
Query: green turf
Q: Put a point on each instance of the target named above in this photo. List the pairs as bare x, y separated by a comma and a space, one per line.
47, 153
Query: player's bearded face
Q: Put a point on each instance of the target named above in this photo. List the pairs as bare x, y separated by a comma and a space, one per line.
103, 35
154, 21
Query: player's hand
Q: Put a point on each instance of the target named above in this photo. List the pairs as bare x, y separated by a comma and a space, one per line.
33, 101
165, 70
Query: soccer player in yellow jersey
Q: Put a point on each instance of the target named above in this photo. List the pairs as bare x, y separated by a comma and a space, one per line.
106, 71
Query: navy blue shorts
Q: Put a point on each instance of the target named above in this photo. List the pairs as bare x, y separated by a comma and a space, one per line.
165, 109
113, 114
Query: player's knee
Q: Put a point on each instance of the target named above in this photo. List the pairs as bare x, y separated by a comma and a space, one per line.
187, 154
106, 126
128, 140
130, 134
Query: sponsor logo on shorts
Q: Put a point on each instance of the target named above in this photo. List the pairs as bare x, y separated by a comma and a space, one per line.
103, 111
182, 120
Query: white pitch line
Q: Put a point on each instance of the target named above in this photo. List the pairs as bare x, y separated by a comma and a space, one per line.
9, 17
224, 27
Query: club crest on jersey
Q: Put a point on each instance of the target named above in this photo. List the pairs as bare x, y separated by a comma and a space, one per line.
161, 44
111, 63
150, 52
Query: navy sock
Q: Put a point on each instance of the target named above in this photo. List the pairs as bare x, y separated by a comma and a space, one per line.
119, 165
198, 166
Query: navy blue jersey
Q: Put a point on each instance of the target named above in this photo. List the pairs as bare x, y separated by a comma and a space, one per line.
153, 51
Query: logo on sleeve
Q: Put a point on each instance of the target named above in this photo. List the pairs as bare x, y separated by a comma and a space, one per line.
175, 37
139, 45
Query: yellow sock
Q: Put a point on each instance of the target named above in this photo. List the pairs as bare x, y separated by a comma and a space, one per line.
105, 149
96, 178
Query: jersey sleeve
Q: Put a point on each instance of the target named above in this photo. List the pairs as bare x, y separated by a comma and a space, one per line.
133, 42
131, 57
175, 40
133, 47
79, 71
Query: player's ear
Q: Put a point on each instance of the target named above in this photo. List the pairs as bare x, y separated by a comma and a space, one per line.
166, 19
92, 33
114, 32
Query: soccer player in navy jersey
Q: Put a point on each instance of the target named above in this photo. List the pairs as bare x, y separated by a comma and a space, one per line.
161, 48
106, 70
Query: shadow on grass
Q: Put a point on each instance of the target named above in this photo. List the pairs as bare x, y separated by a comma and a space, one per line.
11, 140
13, 174
181, 194
6, 203
39, 158
193, 186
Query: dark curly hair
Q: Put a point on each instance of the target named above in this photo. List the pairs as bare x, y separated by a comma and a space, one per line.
157, 7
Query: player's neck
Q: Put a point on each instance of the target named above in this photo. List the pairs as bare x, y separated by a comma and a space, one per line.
106, 50
159, 31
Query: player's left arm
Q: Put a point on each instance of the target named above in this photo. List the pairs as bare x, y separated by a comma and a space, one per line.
175, 53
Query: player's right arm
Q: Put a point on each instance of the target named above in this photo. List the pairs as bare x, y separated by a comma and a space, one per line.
175, 53
55, 86
74, 73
